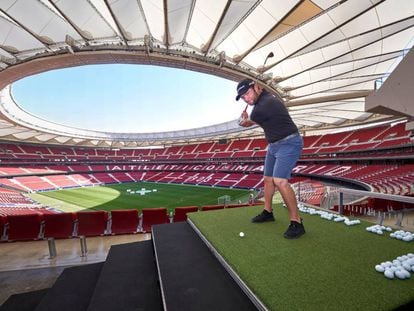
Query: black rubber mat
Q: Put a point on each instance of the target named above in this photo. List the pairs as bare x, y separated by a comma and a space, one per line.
24, 302
128, 280
191, 276
72, 290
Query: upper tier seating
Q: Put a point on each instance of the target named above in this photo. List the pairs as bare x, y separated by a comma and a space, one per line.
309, 141
391, 179
12, 148
203, 147
11, 210
13, 198
364, 136
62, 151
34, 183
395, 131
332, 139
384, 136
217, 147
122, 177
259, 143
246, 175
61, 181
173, 150
242, 144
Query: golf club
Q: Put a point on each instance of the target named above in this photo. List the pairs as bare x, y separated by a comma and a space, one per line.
270, 55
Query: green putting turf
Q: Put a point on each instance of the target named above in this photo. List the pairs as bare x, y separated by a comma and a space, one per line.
331, 267
112, 197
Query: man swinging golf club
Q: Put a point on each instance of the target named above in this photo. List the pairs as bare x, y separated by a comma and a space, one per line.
284, 149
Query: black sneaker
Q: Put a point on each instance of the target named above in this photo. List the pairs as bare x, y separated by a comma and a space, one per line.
264, 216
295, 230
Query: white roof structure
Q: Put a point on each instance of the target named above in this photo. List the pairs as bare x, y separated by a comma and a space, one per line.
323, 57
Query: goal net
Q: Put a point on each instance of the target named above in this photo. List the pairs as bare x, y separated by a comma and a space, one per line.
223, 200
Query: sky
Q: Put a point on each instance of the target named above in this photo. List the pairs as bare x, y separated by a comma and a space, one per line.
128, 98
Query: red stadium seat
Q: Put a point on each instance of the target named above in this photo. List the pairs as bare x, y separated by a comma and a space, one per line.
59, 225
153, 216
92, 223
24, 227
124, 221
180, 213
211, 207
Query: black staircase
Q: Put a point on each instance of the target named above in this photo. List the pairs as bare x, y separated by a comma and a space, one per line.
174, 271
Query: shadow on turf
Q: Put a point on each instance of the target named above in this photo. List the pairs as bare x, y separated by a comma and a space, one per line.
407, 306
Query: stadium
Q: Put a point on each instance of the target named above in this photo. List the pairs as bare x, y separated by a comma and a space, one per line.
161, 220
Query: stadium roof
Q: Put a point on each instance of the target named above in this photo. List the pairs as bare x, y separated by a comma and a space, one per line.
323, 57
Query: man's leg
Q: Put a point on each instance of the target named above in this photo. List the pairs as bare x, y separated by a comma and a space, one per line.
269, 190
296, 228
288, 196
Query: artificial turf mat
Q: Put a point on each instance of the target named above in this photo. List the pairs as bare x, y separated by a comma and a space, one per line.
111, 197
331, 267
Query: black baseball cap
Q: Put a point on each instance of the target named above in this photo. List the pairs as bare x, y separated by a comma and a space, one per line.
243, 87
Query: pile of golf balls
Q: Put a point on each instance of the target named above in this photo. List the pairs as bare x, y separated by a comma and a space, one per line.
401, 267
378, 229
351, 222
402, 235
329, 216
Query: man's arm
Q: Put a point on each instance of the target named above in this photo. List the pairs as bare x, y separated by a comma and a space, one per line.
244, 120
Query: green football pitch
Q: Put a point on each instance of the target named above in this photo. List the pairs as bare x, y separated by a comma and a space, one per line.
136, 195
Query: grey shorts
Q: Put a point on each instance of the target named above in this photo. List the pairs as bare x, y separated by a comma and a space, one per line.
282, 155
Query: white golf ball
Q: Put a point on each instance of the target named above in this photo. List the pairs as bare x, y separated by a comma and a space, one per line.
241, 234
406, 266
389, 274
400, 274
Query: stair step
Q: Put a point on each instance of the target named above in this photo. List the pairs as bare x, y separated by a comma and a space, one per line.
24, 302
191, 276
128, 280
72, 290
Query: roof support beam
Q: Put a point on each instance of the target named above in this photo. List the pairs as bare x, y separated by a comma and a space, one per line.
190, 16
166, 27
118, 25
352, 51
325, 34
239, 58
70, 22
370, 78
342, 73
205, 49
324, 99
44, 42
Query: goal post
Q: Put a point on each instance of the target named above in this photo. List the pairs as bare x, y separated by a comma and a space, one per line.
224, 200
